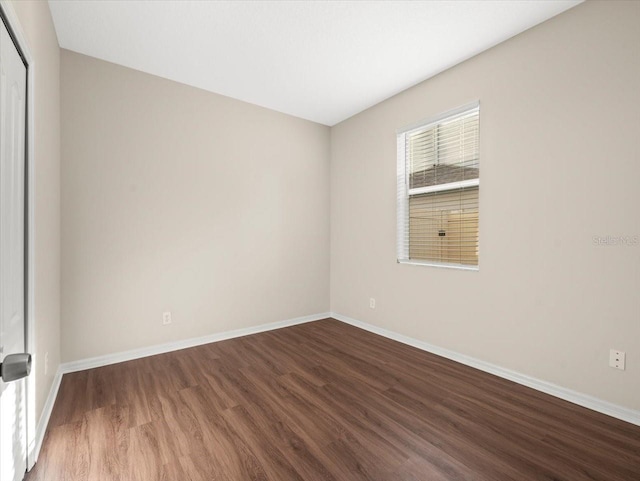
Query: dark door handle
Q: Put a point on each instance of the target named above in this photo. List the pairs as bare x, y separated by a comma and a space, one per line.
15, 366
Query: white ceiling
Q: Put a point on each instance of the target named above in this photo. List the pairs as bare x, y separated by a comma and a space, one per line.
318, 60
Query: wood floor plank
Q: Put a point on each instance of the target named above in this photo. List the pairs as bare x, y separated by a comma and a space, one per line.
430, 433
260, 441
321, 401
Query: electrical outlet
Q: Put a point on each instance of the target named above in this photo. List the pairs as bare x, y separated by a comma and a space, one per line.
372, 303
617, 359
46, 363
166, 318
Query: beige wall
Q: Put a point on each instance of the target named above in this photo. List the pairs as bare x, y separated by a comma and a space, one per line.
37, 26
559, 126
178, 199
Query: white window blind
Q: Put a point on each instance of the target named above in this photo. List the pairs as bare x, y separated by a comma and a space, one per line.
438, 190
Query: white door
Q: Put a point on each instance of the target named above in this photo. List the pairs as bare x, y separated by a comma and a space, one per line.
13, 76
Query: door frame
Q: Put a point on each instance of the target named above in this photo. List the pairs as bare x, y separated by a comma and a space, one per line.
15, 31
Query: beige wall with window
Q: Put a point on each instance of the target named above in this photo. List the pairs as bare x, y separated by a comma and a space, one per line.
560, 117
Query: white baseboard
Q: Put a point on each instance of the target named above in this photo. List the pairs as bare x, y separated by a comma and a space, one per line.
43, 422
619, 412
584, 400
99, 361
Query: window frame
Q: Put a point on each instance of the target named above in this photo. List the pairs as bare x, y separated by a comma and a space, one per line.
405, 192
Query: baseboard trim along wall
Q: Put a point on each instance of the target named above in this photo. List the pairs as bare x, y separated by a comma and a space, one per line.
580, 399
100, 361
584, 400
105, 360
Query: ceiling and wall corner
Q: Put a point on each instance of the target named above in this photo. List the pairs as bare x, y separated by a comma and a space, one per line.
317, 60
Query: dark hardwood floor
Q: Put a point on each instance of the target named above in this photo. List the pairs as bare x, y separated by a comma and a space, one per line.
321, 401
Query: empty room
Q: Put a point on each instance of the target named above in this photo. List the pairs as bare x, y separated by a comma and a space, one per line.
319, 240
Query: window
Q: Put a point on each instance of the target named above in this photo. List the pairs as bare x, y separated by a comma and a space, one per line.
438, 189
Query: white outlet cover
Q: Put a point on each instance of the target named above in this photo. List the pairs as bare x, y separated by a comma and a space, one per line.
617, 359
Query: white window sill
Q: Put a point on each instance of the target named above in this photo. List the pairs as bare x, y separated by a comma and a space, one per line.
461, 267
